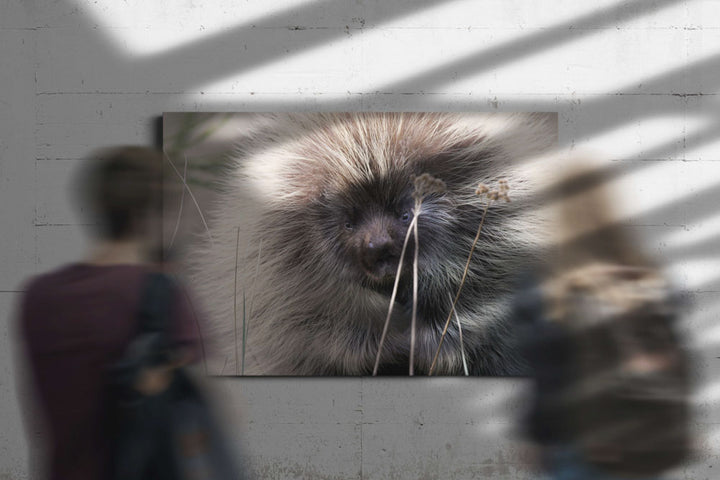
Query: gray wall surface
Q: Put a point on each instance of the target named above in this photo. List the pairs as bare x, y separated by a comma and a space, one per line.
635, 81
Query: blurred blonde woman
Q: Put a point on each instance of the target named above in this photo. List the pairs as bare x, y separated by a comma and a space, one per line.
609, 370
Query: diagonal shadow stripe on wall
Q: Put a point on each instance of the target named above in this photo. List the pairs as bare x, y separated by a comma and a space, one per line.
195, 64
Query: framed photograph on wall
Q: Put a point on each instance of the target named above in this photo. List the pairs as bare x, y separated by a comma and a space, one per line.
336, 244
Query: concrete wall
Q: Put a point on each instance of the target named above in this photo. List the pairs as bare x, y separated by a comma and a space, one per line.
635, 80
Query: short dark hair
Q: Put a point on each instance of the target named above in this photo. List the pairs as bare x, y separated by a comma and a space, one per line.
122, 185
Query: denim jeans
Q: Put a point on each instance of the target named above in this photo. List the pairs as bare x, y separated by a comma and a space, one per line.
564, 463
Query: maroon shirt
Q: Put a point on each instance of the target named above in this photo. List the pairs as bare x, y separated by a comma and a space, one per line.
75, 322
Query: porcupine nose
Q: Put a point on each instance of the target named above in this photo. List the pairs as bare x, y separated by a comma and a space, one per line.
378, 256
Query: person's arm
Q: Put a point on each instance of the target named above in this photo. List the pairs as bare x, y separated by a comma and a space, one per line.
185, 345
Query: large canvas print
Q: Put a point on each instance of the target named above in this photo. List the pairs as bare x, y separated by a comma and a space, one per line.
356, 243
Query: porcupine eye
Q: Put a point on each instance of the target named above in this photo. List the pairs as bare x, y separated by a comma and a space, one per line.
405, 217
351, 219
349, 222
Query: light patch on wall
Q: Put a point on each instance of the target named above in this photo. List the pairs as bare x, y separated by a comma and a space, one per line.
709, 393
334, 58
712, 440
494, 14
696, 274
708, 148
563, 66
502, 56
469, 27
663, 184
700, 321
702, 231
646, 191
146, 28
710, 337
635, 140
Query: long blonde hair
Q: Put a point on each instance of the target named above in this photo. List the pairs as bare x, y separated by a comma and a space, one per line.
593, 255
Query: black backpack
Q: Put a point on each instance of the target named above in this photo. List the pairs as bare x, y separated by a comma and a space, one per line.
627, 404
172, 435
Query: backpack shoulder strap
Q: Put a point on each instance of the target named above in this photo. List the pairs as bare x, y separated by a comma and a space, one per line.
155, 303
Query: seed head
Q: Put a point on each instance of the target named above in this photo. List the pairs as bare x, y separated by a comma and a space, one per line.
500, 194
426, 184
481, 189
503, 190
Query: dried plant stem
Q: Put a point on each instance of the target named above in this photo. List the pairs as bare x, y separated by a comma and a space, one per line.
192, 197
252, 298
457, 295
413, 323
462, 345
392, 297
237, 250
180, 208
222, 370
242, 370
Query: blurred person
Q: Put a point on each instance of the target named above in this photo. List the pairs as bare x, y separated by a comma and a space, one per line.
79, 319
610, 374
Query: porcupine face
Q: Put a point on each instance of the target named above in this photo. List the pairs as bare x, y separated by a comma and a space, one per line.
328, 198
368, 226
358, 196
